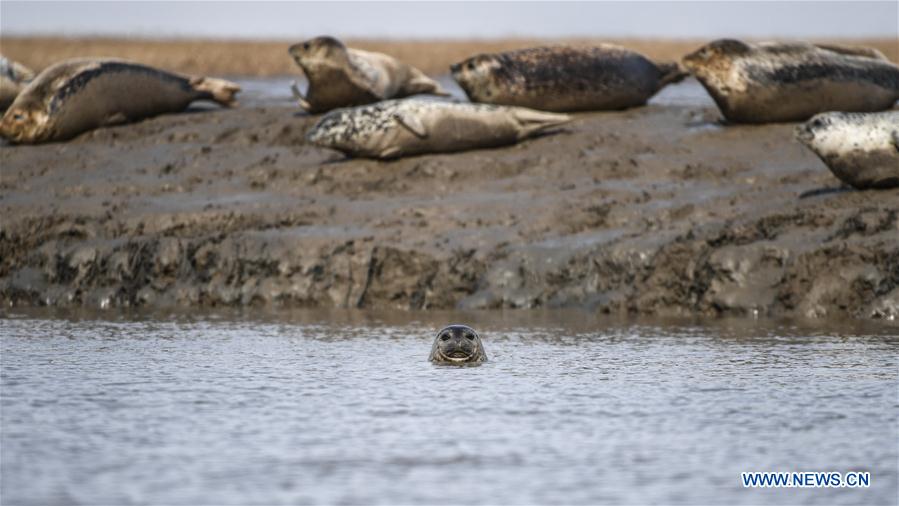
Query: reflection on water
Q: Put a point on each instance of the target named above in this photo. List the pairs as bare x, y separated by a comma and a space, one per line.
276, 91
343, 407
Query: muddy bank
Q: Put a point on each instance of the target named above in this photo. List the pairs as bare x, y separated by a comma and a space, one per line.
657, 210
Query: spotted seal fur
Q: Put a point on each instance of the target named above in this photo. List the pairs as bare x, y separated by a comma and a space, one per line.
861, 149
457, 345
13, 78
777, 82
74, 96
564, 79
395, 128
340, 76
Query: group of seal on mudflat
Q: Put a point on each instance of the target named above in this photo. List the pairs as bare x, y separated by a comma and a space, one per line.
519, 85
78, 95
750, 83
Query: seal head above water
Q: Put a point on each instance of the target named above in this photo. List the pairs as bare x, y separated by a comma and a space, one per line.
340, 76
564, 78
861, 149
457, 345
776, 82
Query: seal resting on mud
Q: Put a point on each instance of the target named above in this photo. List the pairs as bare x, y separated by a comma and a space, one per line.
563, 79
861, 149
775, 82
395, 128
13, 78
457, 345
74, 96
340, 76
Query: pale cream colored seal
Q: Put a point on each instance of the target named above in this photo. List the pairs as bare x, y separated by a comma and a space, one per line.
343, 77
395, 128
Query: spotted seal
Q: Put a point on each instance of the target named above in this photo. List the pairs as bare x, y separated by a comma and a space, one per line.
458, 345
564, 79
340, 76
13, 78
861, 149
776, 82
395, 128
74, 96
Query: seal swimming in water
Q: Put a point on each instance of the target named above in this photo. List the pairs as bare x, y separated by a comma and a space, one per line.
340, 76
457, 345
861, 149
776, 82
564, 79
395, 128
74, 96
13, 78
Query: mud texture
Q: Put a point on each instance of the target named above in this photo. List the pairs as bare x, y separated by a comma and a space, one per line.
657, 210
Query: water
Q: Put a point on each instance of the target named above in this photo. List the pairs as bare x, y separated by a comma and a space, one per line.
343, 408
262, 91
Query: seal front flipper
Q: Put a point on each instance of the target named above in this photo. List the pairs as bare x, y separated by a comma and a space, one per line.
301, 100
420, 83
411, 122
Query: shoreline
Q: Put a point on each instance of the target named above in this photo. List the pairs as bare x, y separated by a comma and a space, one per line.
659, 210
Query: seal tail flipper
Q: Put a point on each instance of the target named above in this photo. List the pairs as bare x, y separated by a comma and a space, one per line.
533, 122
896, 139
671, 72
221, 91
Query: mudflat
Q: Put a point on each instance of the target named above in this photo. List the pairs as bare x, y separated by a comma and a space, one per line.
661, 209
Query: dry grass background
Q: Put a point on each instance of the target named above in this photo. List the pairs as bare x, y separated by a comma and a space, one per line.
269, 57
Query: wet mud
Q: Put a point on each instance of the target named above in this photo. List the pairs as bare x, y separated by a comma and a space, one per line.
657, 210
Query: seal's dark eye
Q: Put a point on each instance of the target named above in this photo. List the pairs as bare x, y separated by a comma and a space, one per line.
445, 337
470, 337
18, 116
306, 46
470, 65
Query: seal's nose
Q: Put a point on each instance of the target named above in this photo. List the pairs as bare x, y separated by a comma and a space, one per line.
455, 67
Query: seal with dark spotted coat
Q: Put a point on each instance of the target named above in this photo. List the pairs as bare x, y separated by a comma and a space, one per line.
395, 128
340, 76
74, 96
458, 345
861, 149
564, 79
776, 82
13, 78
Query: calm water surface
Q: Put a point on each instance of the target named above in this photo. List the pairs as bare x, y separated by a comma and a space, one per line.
343, 408
262, 91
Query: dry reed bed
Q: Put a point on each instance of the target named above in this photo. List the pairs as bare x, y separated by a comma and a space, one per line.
269, 57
